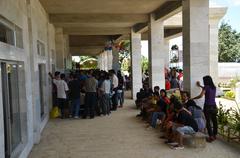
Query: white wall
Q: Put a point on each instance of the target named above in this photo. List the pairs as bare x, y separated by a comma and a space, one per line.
33, 20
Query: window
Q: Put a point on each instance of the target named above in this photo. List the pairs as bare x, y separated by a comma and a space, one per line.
6, 35
40, 48
10, 33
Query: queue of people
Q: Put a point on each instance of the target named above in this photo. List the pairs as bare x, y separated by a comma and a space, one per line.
88, 93
179, 116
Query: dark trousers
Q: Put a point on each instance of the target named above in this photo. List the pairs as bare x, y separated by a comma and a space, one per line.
90, 104
210, 112
115, 100
105, 104
61, 104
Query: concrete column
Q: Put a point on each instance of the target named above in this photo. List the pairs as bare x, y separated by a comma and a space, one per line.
115, 61
99, 57
105, 61
60, 50
214, 48
166, 53
110, 59
156, 53
136, 63
196, 63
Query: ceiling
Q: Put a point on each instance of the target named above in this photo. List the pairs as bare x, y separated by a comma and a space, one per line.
91, 23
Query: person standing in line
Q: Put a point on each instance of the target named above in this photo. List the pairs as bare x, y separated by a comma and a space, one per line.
210, 107
120, 88
74, 95
114, 81
91, 85
62, 89
105, 89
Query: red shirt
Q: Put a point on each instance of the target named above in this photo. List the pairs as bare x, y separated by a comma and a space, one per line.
167, 85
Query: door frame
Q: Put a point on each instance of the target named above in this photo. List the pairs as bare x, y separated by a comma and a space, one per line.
12, 152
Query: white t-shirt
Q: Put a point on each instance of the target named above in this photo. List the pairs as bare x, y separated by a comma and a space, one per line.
106, 86
115, 81
62, 87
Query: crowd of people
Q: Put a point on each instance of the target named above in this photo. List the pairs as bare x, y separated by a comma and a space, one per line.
88, 93
173, 78
179, 116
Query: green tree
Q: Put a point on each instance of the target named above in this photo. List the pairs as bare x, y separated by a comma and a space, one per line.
144, 63
229, 44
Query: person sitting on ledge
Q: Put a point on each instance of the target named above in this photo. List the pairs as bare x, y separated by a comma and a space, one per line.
144, 93
184, 124
150, 103
195, 110
160, 111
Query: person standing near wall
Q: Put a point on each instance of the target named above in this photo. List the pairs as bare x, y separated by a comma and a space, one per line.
74, 95
210, 107
62, 89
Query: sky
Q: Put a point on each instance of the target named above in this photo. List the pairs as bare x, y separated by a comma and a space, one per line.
233, 12
232, 17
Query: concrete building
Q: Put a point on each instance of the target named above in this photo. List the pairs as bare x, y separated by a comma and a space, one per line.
40, 36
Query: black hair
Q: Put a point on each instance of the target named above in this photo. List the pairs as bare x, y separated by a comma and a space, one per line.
56, 73
74, 76
156, 87
62, 76
164, 91
177, 105
112, 71
207, 81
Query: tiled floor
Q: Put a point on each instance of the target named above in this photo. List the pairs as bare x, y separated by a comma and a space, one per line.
120, 135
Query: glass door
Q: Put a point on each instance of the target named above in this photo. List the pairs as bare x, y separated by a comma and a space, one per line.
11, 106
42, 87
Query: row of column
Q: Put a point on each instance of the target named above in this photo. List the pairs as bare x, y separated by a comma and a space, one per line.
63, 57
197, 61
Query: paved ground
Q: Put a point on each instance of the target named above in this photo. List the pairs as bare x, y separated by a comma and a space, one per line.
227, 104
121, 135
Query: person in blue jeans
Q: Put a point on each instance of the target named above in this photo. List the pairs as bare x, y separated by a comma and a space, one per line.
91, 85
74, 96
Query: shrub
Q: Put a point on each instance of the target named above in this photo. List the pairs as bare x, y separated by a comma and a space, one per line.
230, 94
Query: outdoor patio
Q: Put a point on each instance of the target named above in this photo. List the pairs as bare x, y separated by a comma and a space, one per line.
120, 135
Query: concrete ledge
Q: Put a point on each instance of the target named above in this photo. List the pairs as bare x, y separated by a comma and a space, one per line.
197, 140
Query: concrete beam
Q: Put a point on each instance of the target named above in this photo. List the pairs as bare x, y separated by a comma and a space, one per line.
86, 50
123, 37
95, 31
168, 33
140, 27
168, 9
97, 18
79, 41
172, 31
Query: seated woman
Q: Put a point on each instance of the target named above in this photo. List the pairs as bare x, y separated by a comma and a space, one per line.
160, 111
150, 103
170, 118
195, 110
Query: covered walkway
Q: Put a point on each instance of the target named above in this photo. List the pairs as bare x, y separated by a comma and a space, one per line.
120, 135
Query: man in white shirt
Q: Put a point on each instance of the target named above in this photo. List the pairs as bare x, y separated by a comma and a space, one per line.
114, 81
105, 89
62, 88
